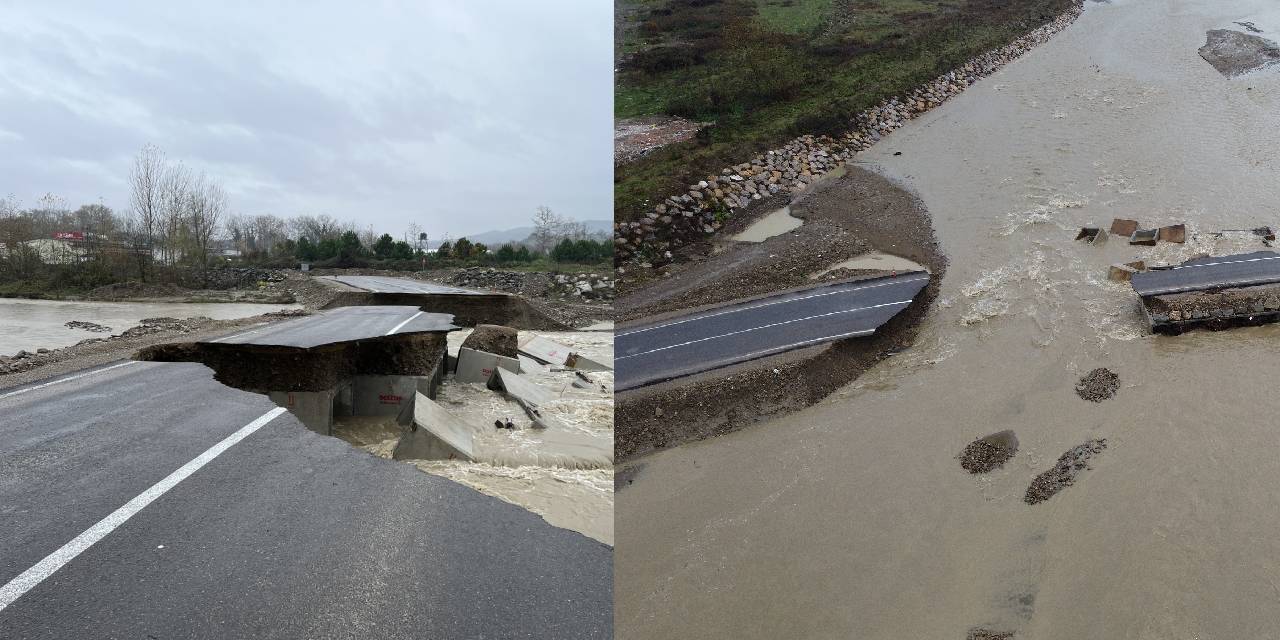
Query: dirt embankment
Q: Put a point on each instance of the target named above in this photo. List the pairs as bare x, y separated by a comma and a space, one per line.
843, 217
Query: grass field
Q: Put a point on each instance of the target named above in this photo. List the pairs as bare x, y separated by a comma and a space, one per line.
764, 71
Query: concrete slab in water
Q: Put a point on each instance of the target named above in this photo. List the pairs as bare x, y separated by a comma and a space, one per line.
439, 435
478, 366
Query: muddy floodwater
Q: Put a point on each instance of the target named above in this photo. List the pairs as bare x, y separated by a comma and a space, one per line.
34, 324
854, 519
564, 474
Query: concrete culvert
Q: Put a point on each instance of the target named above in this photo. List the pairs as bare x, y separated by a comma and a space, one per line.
493, 338
989, 452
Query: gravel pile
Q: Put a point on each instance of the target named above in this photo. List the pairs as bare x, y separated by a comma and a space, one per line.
1098, 385
1063, 474
588, 286
989, 452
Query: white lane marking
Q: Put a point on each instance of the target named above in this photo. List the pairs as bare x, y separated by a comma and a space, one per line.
51, 563
67, 379
402, 324
238, 335
1214, 264
765, 326
767, 304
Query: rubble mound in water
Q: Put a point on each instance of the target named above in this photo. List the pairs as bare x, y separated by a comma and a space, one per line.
1098, 385
493, 338
87, 326
989, 452
987, 634
1064, 472
1233, 53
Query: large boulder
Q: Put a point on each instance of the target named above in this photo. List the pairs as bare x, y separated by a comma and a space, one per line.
495, 339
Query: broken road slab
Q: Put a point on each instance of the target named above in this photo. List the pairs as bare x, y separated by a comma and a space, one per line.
751, 329
435, 434
1240, 270
478, 366
386, 284
344, 324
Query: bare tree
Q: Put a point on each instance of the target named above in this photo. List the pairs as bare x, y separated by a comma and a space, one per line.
546, 229
145, 197
206, 206
174, 189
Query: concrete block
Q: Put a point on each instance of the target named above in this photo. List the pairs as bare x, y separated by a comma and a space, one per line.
1145, 237
1123, 226
1121, 272
522, 388
435, 434
312, 408
374, 395
1092, 235
545, 350
1173, 233
478, 366
583, 363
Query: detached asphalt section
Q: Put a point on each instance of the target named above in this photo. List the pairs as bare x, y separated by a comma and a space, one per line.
1242, 270
274, 532
388, 284
343, 324
747, 330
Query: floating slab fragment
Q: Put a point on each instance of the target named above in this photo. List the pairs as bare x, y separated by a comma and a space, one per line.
522, 388
1173, 233
1145, 237
1123, 226
545, 350
478, 366
435, 434
1091, 235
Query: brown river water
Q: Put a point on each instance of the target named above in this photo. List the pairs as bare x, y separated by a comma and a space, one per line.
853, 518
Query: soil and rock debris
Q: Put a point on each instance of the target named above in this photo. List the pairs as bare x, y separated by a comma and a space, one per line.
843, 216
989, 452
634, 138
987, 634
1063, 474
1098, 385
1234, 53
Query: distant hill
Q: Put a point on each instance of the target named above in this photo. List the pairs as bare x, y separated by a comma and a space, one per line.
516, 234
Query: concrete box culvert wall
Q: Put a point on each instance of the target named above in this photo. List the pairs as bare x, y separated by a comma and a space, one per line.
468, 310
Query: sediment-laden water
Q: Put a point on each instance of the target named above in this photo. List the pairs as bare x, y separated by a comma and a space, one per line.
33, 324
854, 518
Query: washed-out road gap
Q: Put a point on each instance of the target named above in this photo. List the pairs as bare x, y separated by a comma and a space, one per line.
284, 534
747, 330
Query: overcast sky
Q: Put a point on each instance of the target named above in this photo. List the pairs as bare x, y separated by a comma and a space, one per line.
462, 116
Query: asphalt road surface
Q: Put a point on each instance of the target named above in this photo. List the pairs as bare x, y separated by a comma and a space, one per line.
146, 500
748, 330
384, 284
1242, 270
343, 324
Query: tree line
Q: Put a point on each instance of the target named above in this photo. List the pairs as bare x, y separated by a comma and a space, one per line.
180, 223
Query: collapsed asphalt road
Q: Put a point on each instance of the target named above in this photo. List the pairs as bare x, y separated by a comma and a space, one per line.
386, 284
1259, 267
343, 324
131, 508
744, 331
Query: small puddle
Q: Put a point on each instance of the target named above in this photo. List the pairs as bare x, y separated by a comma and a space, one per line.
773, 224
872, 261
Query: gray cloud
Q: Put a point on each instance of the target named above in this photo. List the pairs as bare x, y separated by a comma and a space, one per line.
459, 116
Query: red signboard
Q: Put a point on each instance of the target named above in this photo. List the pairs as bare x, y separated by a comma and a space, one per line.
68, 235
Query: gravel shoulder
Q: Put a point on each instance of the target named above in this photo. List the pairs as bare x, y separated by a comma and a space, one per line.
844, 216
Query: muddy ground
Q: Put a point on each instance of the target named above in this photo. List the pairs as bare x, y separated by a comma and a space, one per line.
843, 217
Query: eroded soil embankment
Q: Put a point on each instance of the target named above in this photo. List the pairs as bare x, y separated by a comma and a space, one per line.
262, 369
847, 216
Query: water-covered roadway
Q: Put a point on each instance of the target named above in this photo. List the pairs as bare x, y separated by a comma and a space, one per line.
853, 518
145, 499
689, 344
